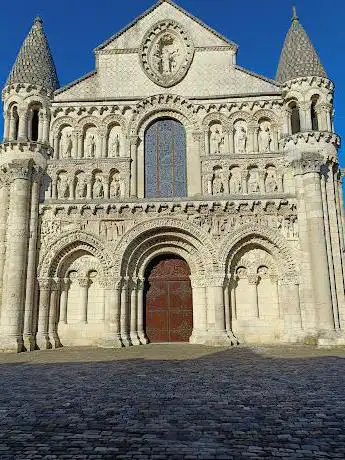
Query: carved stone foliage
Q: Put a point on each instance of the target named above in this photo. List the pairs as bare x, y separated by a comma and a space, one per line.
256, 263
166, 53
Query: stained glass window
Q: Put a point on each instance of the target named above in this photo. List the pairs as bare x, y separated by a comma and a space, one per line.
165, 159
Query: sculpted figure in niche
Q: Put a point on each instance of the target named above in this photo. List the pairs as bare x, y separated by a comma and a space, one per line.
217, 183
115, 146
63, 187
67, 145
265, 138
253, 182
98, 188
271, 182
116, 187
166, 54
240, 139
80, 189
216, 140
91, 146
236, 183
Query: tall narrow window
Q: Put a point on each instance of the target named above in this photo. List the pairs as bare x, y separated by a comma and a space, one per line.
165, 159
314, 119
34, 124
295, 118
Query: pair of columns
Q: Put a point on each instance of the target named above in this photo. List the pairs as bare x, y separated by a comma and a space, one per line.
18, 127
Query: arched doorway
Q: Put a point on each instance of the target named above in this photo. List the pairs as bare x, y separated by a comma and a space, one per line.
165, 159
168, 300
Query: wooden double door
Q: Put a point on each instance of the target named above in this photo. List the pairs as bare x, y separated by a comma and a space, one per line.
168, 300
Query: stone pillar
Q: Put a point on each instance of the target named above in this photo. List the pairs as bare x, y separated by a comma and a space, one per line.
42, 338
133, 297
80, 150
275, 140
262, 174
23, 125
125, 338
309, 167
194, 166
227, 306
231, 141
207, 141
112, 314
10, 128
4, 199
12, 316
244, 177
56, 146
64, 286
106, 186
84, 284
45, 128
232, 288
134, 153
199, 310
253, 295
289, 305
29, 341
141, 330
53, 313
255, 140
40, 126
251, 134
216, 333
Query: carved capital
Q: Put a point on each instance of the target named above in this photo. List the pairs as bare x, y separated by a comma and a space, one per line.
44, 284
307, 164
197, 136
253, 278
134, 140
84, 282
20, 170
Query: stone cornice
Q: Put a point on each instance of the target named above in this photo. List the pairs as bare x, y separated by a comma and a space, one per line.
32, 147
312, 81
311, 137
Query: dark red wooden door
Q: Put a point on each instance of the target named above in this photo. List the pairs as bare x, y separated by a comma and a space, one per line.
168, 301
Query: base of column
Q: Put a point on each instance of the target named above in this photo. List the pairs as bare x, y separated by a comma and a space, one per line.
134, 338
56, 341
111, 341
12, 344
143, 339
219, 339
43, 342
30, 343
330, 339
126, 340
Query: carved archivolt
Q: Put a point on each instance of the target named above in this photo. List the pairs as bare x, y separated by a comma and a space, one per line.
241, 115
63, 121
89, 120
57, 252
216, 117
268, 114
114, 119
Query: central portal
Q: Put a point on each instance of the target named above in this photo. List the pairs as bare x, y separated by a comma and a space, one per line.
168, 300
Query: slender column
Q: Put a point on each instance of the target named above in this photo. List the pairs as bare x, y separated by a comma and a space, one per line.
23, 125
124, 314
309, 167
10, 127
244, 176
134, 312
194, 166
103, 145
262, 181
56, 147
40, 126
275, 140
74, 153
4, 198
207, 142
232, 287
53, 313
253, 296
80, 151
251, 134
255, 139
134, 153
307, 116
42, 338
65, 285
227, 306
88, 186
216, 334
231, 141
141, 330
29, 341
106, 186
112, 314
287, 122
12, 317
289, 300
45, 127
199, 310
84, 294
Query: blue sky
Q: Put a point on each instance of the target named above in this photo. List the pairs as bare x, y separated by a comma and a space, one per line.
76, 27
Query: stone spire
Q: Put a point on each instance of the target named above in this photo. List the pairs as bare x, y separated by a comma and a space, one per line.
298, 57
34, 63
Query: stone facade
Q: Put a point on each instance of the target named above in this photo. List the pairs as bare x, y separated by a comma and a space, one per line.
261, 224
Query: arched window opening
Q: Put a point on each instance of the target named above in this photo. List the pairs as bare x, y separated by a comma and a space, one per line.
295, 118
34, 124
165, 159
314, 119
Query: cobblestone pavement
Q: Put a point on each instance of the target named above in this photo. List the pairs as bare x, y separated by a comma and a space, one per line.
173, 402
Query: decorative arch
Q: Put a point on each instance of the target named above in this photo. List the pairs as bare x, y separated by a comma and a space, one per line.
66, 245
88, 120
114, 118
268, 114
216, 117
61, 122
240, 115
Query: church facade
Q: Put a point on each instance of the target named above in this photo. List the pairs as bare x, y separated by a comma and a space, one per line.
170, 195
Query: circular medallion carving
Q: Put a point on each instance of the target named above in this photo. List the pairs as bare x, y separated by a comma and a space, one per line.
166, 53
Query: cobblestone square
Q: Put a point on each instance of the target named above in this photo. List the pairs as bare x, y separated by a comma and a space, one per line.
173, 402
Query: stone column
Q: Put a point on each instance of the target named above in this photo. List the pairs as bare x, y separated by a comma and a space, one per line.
216, 333
80, 151
45, 128
74, 152
262, 174
141, 330
125, 338
275, 140
10, 128
84, 284
133, 297
40, 126
134, 153
65, 285
207, 142
199, 310
194, 166
309, 167
253, 295
255, 139
23, 125
106, 186
227, 306
231, 141
232, 288
56, 146
42, 338
53, 313
112, 314
29, 341
12, 316
244, 177
4, 199
251, 134
289, 303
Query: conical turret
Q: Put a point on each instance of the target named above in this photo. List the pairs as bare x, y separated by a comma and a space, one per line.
34, 64
298, 57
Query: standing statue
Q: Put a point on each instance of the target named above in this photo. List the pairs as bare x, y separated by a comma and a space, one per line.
63, 187
68, 145
115, 187
217, 184
271, 182
240, 140
80, 189
265, 139
98, 188
216, 140
236, 183
115, 146
91, 146
253, 182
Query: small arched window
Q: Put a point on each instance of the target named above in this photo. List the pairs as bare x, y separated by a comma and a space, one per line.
35, 124
313, 114
295, 118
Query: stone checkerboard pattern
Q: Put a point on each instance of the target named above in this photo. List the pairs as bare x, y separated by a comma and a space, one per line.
173, 402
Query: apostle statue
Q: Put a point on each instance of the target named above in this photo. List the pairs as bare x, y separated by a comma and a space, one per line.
253, 182
265, 139
91, 146
98, 188
115, 146
80, 189
68, 145
240, 140
63, 187
216, 141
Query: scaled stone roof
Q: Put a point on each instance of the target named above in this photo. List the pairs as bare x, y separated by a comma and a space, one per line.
34, 63
298, 57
